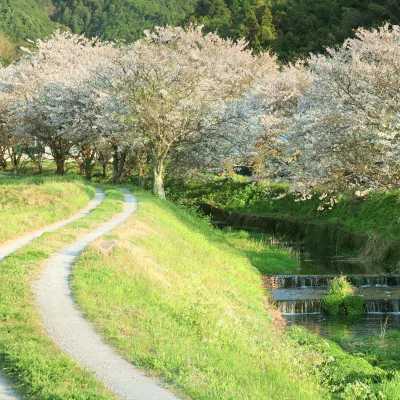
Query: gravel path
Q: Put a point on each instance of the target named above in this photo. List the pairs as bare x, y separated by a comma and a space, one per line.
6, 392
13, 245
69, 329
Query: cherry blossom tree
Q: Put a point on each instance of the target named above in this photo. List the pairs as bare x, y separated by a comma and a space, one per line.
347, 126
50, 93
173, 79
280, 91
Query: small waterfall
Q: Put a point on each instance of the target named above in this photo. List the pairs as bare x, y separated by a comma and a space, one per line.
299, 306
379, 306
382, 306
378, 280
295, 281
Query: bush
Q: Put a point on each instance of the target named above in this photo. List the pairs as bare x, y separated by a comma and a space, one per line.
341, 298
354, 304
340, 286
333, 304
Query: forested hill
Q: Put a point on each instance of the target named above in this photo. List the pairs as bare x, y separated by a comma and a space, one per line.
120, 19
21, 20
293, 27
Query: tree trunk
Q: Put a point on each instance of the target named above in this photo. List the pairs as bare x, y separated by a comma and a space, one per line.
158, 177
142, 180
115, 166
88, 169
60, 163
123, 175
119, 160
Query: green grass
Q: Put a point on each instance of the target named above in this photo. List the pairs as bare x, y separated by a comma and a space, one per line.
29, 358
381, 351
27, 204
347, 376
268, 259
183, 301
177, 299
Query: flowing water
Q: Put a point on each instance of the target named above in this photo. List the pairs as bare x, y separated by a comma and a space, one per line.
298, 298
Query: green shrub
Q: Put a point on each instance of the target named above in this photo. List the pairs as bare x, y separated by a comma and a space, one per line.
354, 304
333, 304
341, 298
340, 286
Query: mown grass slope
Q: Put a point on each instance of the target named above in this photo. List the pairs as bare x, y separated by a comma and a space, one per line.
185, 302
27, 204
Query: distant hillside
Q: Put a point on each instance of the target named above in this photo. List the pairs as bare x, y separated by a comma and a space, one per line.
293, 28
119, 19
21, 20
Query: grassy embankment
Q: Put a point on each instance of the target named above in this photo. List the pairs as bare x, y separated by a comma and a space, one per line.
27, 204
376, 213
184, 302
371, 223
27, 356
383, 352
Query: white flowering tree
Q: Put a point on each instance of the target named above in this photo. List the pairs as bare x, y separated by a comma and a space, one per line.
347, 126
280, 91
51, 96
172, 79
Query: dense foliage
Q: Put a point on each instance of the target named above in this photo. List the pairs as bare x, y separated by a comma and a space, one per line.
119, 19
290, 28
21, 20
341, 298
293, 28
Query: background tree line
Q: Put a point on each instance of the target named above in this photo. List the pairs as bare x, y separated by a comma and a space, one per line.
291, 28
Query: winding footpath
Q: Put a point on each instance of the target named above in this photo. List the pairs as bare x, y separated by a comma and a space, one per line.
12, 246
7, 248
74, 334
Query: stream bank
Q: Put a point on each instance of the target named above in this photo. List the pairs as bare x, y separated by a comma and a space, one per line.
325, 251
325, 248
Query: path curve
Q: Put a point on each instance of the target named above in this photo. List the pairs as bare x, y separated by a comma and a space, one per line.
9, 247
74, 334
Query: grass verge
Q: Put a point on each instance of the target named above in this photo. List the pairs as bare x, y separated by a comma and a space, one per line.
266, 258
382, 351
27, 204
177, 299
28, 357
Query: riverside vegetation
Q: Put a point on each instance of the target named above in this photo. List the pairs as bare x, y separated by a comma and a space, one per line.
371, 217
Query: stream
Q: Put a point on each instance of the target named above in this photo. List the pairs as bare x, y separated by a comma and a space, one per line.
298, 297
